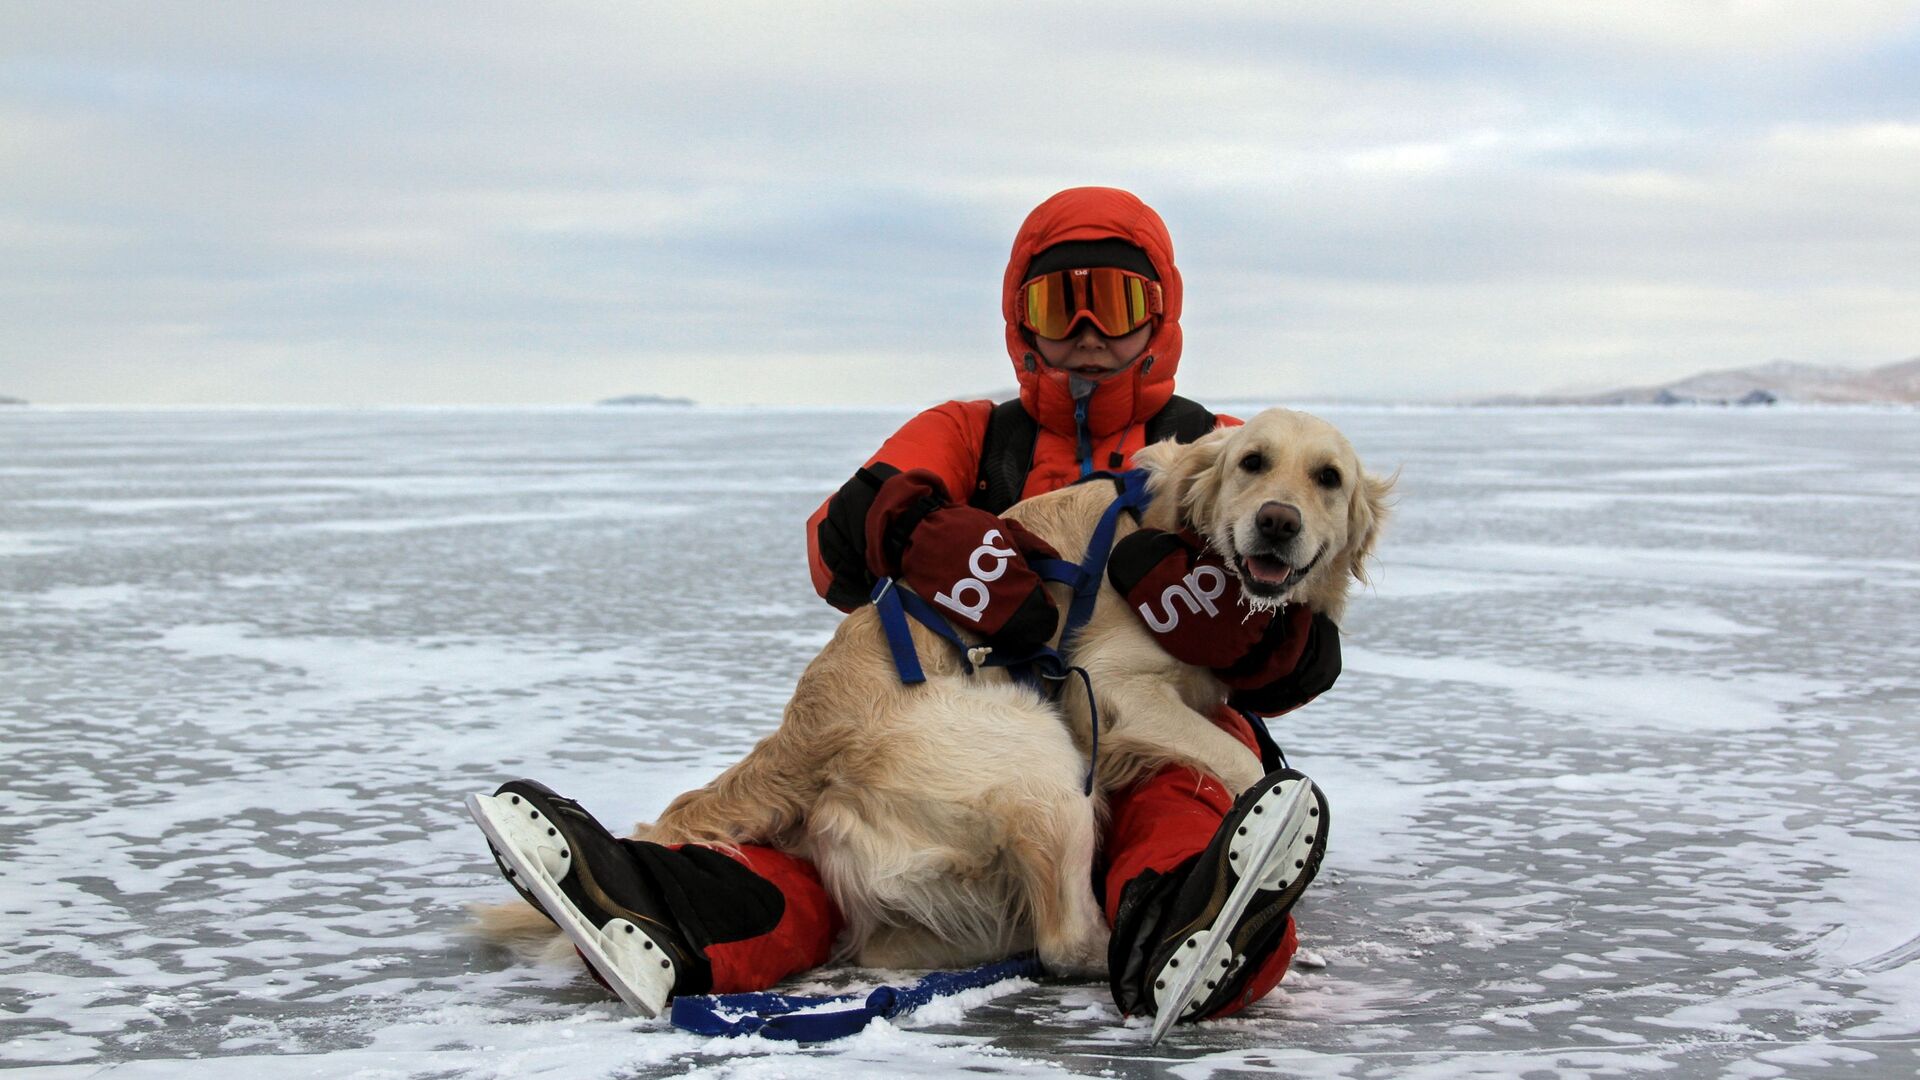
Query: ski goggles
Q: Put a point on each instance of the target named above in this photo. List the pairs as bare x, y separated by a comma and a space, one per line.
1118, 301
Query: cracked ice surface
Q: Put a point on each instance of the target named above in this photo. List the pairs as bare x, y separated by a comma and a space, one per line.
1623, 763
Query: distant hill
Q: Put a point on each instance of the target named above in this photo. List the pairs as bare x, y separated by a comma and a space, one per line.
646, 399
1761, 384
5, 400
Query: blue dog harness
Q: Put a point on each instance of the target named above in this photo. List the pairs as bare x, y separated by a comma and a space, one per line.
1084, 578
896, 605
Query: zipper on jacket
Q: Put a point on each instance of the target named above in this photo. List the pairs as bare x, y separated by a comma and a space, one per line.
1086, 439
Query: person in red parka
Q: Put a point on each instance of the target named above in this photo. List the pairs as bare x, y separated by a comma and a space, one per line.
1091, 395
1091, 300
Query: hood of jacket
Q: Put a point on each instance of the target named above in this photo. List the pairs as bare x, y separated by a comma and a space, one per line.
1133, 395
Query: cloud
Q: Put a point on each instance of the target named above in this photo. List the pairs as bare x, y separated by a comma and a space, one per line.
242, 202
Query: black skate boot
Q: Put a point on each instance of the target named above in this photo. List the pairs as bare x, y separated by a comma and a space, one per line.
1185, 943
625, 904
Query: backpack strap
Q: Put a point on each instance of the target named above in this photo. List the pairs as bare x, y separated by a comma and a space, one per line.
1006, 450
1180, 419
1006, 457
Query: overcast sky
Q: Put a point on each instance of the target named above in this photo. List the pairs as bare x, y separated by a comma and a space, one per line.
799, 202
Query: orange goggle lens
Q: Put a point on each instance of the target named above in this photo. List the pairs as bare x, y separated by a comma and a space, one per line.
1118, 301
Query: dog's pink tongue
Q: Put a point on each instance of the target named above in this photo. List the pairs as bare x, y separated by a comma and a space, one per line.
1270, 570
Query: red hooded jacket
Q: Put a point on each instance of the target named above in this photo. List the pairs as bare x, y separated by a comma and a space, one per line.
947, 439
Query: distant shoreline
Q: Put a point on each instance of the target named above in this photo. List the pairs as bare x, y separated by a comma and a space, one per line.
647, 400
1232, 406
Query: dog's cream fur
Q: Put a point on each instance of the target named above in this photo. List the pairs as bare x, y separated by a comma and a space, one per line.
947, 819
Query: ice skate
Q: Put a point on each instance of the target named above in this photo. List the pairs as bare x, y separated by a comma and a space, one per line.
584, 878
1207, 931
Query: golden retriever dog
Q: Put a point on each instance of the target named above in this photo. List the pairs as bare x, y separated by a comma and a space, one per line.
947, 819
1281, 463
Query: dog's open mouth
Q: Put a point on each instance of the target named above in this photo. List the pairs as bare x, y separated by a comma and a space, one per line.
1269, 577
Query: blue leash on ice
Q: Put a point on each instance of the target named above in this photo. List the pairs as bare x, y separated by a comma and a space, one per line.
799, 1018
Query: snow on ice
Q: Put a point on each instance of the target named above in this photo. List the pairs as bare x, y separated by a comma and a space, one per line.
1623, 761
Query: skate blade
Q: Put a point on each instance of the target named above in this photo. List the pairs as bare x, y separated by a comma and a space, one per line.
1282, 828
633, 964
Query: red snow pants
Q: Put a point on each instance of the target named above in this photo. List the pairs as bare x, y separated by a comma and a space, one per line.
1169, 817
802, 939
1160, 822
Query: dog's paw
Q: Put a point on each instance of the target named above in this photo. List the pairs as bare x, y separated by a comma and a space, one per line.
1084, 958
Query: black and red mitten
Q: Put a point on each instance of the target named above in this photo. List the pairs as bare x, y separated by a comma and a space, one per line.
1189, 599
964, 561
1301, 663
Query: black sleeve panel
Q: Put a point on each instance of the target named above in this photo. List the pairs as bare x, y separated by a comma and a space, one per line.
843, 536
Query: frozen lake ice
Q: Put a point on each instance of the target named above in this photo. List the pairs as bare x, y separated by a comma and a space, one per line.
1623, 763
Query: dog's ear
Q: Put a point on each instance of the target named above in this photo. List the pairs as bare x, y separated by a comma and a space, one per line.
1159, 459
1184, 473
1366, 513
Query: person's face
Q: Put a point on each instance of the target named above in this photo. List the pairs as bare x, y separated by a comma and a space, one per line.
1091, 355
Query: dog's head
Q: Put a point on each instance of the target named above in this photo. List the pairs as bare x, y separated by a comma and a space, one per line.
1282, 499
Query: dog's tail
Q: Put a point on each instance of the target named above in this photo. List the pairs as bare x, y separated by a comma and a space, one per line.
521, 928
760, 800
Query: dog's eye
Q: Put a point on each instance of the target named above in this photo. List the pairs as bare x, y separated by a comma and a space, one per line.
1255, 461
1327, 477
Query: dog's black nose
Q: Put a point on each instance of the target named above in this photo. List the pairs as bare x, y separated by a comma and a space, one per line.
1278, 522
